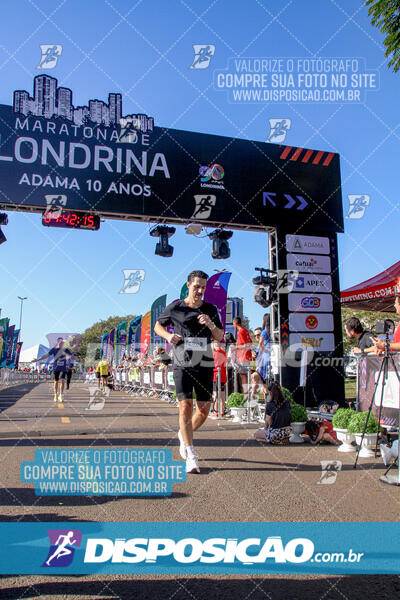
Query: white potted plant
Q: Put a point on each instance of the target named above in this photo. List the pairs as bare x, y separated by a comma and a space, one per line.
298, 419
356, 426
340, 422
237, 405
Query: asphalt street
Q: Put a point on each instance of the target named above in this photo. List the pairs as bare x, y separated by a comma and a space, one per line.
240, 480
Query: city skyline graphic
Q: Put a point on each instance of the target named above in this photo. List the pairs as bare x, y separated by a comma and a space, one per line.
50, 100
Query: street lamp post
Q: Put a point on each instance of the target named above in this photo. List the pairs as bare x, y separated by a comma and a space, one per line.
20, 314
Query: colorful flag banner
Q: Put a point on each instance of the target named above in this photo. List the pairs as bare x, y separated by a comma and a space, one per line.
4, 323
10, 345
131, 334
17, 354
145, 337
217, 293
157, 308
120, 342
14, 349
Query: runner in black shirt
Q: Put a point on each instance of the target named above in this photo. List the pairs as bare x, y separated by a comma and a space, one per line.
62, 357
355, 330
196, 323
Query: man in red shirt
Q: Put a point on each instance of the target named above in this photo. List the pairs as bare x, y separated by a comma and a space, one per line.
243, 347
395, 343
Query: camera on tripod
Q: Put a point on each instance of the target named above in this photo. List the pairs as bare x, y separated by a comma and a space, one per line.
385, 327
266, 284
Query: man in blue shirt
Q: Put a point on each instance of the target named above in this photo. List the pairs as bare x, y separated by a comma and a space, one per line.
62, 357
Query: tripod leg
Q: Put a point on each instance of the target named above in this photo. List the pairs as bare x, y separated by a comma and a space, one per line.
369, 412
385, 376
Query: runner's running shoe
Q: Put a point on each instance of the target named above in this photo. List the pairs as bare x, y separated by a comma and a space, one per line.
182, 447
192, 465
55, 398
60, 398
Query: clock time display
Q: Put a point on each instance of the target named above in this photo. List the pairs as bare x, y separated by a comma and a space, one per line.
71, 219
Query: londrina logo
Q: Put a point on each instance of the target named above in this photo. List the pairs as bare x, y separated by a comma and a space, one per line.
62, 547
310, 302
215, 172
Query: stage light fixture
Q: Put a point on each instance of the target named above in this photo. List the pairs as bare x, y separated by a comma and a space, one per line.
265, 286
220, 247
163, 232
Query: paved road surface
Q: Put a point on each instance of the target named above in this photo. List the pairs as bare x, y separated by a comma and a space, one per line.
241, 480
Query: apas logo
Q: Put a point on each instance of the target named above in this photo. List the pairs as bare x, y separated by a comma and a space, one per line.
311, 302
63, 543
311, 322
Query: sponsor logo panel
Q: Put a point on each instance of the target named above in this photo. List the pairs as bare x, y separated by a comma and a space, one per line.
310, 302
305, 322
313, 283
307, 243
313, 341
309, 263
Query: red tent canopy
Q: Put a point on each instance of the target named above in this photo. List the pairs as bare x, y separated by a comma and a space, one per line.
376, 293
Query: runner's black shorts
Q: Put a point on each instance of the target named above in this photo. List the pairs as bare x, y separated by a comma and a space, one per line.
58, 373
200, 380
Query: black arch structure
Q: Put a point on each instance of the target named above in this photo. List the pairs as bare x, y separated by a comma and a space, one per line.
144, 173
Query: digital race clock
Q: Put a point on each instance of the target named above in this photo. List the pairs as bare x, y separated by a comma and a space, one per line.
71, 219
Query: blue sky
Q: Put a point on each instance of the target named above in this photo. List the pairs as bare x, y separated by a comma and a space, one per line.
144, 50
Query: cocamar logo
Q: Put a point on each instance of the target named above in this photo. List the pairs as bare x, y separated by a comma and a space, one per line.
191, 550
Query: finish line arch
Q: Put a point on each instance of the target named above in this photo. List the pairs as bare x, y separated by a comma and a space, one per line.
93, 159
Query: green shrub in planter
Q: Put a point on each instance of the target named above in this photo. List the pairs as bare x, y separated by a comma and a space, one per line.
235, 400
288, 396
298, 413
342, 417
357, 422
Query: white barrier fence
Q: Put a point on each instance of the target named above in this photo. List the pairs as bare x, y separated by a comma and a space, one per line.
154, 382
10, 377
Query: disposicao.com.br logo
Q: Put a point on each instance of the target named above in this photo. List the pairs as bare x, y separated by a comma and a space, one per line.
248, 551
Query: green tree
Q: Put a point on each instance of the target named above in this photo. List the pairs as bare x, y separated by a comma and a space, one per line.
385, 15
91, 337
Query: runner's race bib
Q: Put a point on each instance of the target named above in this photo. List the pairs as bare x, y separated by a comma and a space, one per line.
196, 344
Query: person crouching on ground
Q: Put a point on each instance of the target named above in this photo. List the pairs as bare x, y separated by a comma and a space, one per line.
321, 432
277, 417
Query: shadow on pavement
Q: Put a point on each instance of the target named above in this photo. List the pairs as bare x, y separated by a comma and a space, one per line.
27, 497
39, 517
356, 587
9, 396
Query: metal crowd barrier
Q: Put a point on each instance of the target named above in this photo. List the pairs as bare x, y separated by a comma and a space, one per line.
150, 381
10, 377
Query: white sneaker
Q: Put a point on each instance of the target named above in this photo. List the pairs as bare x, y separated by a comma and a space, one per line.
55, 398
192, 465
60, 398
182, 446
386, 454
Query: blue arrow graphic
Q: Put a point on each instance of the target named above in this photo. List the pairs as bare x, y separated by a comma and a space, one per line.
267, 196
303, 203
291, 202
